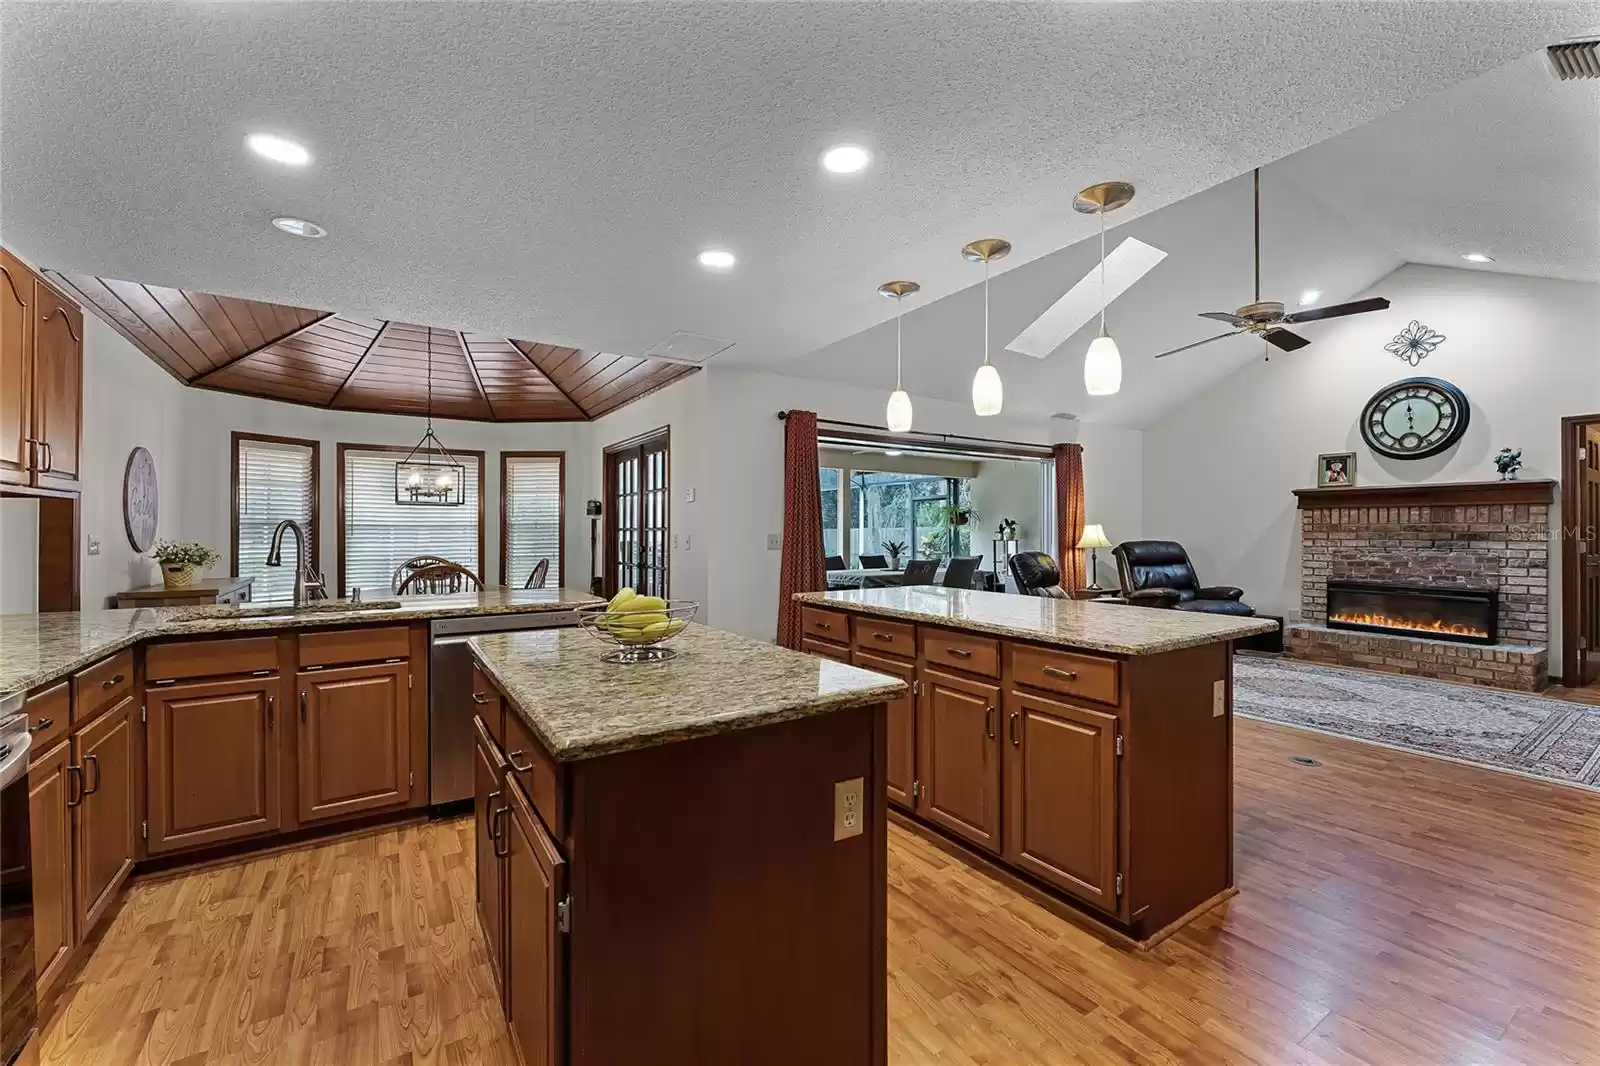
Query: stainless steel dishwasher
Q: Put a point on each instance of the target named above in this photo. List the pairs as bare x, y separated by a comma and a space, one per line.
450, 705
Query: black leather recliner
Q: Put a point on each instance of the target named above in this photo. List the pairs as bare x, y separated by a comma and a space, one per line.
1037, 574
1158, 573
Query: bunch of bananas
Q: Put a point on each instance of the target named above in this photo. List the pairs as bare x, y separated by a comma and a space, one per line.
636, 619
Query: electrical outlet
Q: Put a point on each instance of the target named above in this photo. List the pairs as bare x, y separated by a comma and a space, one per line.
674, 540
774, 542
94, 546
688, 542
1219, 698
849, 807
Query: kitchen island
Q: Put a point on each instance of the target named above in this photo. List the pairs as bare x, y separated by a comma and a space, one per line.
683, 862
1083, 748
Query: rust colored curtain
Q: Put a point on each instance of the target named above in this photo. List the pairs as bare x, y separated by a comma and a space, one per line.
803, 567
1069, 514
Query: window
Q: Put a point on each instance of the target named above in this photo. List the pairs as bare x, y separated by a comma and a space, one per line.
376, 534
532, 485
832, 527
913, 511
273, 478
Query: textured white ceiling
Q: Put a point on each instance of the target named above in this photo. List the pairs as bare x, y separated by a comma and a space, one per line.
549, 170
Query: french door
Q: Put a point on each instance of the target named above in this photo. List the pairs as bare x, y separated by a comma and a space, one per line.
638, 548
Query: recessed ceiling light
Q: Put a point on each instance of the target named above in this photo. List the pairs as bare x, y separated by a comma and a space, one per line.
278, 149
299, 227
1309, 297
1477, 257
892, 453
846, 159
716, 259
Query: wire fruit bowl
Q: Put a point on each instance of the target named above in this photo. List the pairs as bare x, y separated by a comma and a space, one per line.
638, 635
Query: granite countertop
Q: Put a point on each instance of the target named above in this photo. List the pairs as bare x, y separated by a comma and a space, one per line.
1109, 627
579, 707
36, 649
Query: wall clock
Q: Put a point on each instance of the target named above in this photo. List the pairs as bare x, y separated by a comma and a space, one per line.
140, 500
1415, 418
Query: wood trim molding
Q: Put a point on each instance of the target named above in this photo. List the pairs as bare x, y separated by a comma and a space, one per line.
402, 449
316, 494
1449, 494
506, 579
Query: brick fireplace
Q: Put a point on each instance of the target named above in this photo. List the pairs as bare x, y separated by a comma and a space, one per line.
1467, 540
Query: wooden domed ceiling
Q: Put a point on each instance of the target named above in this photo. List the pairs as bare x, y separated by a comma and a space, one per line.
327, 360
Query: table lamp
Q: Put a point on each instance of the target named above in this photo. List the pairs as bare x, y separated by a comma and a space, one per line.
1093, 538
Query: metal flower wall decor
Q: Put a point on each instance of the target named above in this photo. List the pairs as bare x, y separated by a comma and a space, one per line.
1414, 343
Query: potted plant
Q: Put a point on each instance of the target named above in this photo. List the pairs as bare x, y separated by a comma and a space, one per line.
894, 549
181, 564
959, 515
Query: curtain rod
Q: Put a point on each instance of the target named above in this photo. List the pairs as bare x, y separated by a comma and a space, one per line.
912, 438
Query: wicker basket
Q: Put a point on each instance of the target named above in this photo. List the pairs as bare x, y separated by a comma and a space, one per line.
179, 575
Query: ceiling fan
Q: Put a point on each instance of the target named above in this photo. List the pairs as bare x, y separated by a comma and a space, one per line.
1266, 318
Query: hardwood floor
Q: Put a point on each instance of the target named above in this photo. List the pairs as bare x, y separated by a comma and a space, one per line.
1394, 911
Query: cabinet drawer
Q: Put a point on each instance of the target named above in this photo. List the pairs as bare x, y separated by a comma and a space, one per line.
211, 658
825, 625
538, 774
975, 655
886, 638
1084, 676
365, 645
101, 686
826, 649
48, 715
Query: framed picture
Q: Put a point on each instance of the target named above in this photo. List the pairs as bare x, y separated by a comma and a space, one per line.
1336, 470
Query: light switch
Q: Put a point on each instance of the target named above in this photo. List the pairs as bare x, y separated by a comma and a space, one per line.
688, 495
774, 542
1219, 698
849, 802
94, 546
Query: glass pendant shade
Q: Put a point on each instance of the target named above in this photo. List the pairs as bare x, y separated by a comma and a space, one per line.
987, 395
898, 414
1102, 367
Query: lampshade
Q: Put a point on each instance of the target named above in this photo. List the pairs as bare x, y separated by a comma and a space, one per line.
1094, 536
987, 395
898, 415
1102, 367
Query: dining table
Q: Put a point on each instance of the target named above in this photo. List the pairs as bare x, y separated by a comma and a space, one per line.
887, 577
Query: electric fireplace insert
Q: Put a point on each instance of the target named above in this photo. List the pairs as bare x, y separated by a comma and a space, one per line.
1438, 612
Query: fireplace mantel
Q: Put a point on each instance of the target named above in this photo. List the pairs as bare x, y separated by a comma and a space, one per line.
1449, 494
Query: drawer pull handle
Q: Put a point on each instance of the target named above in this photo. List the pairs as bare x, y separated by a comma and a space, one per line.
41, 725
94, 762
885, 637
512, 756
478, 697
959, 653
824, 625
116, 680
1011, 727
1065, 675
988, 721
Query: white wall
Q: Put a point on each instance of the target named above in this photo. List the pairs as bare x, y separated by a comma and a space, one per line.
1113, 488
19, 555
1009, 488
1219, 471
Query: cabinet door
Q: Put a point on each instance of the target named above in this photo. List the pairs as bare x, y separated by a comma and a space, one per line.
355, 740
958, 761
16, 370
489, 809
1061, 795
213, 762
50, 826
57, 387
105, 828
535, 948
902, 725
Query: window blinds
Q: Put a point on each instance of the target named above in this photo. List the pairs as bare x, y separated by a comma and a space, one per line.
380, 534
533, 517
275, 482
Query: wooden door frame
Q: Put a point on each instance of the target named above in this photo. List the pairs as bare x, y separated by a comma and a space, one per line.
1571, 671
608, 491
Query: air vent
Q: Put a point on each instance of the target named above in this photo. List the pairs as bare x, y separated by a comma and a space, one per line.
691, 348
1575, 59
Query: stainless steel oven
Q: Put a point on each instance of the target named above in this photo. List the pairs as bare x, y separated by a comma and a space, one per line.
18, 1008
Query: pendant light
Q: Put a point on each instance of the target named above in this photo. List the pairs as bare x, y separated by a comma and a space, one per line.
1102, 366
429, 476
897, 416
987, 395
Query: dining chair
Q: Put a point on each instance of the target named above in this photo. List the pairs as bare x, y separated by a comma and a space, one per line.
920, 572
536, 576
413, 564
959, 573
874, 562
440, 578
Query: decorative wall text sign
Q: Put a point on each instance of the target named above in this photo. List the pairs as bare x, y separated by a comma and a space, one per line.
1414, 343
140, 500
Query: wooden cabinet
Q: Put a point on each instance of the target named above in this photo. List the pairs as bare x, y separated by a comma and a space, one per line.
105, 828
900, 774
213, 761
1061, 795
535, 988
41, 381
839, 653
489, 808
50, 786
16, 371
355, 739
958, 756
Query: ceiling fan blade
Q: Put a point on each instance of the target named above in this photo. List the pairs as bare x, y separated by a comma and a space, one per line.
1223, 316
1355, 307
1197, 344
1284, 340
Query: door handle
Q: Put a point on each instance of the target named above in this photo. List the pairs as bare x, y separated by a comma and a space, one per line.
92, 761
49, 455
1056, 671
270, 701
302, 705
1011, 728
74, 774
988, 721
499, 833
511, 757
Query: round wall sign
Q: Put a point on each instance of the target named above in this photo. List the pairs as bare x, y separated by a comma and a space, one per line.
140, 500
1415, 418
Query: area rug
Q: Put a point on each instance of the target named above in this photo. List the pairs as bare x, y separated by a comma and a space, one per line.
1545, 738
